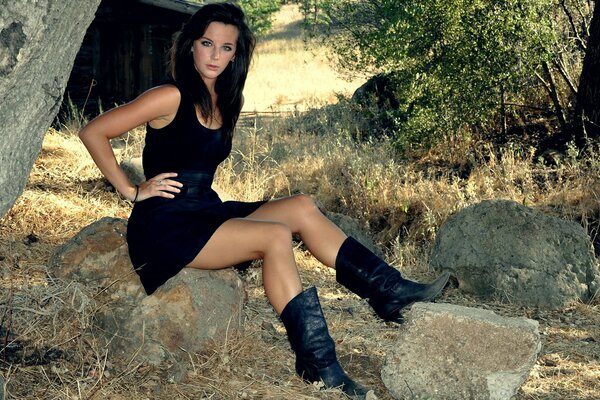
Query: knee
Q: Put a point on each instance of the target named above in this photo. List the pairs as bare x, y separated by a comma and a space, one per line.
305, 204
278, 236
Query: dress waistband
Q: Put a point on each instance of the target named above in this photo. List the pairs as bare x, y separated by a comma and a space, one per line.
191, 177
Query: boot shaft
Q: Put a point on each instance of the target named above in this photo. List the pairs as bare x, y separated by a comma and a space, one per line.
315, 349
361, 271
307, 330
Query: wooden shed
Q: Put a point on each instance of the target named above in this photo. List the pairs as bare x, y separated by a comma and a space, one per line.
124, 52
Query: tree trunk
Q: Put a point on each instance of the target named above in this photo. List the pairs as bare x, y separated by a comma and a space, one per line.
587, 110
38, 43
553, 91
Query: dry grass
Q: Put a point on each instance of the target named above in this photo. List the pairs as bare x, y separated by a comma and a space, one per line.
288, 75
50, 351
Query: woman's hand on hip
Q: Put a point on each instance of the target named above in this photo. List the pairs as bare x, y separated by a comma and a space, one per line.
160, 186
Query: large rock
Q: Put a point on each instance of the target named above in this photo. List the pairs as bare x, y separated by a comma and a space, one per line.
98, 256
502, 250
38, 43
352, 227
379, 106
378, 91
453, 352
190, 311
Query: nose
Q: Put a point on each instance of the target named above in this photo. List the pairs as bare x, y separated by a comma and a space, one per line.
215, 54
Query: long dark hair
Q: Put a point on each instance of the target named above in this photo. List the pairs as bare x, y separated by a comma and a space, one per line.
230, 83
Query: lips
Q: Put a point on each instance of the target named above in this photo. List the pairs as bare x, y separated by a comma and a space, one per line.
212, 67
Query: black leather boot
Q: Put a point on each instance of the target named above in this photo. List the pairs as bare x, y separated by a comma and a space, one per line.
315, 350
367, 275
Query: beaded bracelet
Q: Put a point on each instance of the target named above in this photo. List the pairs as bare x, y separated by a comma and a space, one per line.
137, 191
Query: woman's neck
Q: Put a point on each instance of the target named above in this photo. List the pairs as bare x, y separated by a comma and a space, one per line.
210, 86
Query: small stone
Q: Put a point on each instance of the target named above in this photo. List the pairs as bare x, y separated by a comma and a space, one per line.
371, 396
31, 239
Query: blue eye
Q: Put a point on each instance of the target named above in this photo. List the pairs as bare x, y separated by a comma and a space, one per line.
227, 48
206, 43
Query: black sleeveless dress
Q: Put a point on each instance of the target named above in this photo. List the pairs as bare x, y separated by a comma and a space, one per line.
165, 235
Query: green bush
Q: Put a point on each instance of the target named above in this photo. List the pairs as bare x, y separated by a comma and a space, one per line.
453, 61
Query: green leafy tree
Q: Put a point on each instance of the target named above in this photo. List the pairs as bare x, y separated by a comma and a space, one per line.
568, 78
260, 13
458, 64
315, 12
453, 61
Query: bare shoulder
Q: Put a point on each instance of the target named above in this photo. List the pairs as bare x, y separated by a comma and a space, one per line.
165, 97
167, 92
163, 101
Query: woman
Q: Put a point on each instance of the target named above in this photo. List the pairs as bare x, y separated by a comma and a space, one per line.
178, 220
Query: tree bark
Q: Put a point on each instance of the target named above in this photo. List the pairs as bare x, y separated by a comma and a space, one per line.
38, 43
587, 110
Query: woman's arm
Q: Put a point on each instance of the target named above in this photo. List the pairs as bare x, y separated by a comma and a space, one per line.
157, 106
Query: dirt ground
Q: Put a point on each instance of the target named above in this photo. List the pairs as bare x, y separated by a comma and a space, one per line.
50, 351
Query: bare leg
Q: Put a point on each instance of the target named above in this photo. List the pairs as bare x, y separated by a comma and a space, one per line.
321, 236
239, 240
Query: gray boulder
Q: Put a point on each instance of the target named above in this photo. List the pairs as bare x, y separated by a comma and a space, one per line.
453, 352
379, 91
133, 170
189, 312
504, 251
352, 227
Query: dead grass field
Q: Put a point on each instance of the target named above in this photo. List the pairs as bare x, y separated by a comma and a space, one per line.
48, 342
288, 74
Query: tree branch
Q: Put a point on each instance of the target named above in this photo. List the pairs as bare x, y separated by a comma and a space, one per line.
585, 21
579, 40
551, 87
563, 72
526, 106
